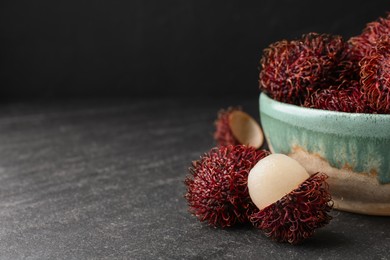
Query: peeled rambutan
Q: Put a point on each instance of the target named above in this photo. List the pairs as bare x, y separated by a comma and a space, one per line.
291, 70
375, 76
347, 97
291, 204
362, 44
217, 190
233, 126
295, 217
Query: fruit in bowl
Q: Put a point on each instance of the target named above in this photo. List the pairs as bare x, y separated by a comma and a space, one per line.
326, 103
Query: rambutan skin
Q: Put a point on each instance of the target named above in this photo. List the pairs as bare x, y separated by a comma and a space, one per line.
375, 76
223, 134
362, 44
347, 97
291, 70
347, 69
217, 191
295, 217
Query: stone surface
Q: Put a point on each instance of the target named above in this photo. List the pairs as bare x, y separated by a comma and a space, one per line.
103, 179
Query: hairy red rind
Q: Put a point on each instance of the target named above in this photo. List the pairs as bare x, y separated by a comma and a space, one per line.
362, 45
375, 76
298, 214
343, 98
223, 134
291, 70
217, 191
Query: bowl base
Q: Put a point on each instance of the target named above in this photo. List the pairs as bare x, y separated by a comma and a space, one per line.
351, 191
376, 209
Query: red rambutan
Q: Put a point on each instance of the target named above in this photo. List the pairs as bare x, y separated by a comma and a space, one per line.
375, 76
223, 134
347, 69
291, 70
295, 217
233, 126
347, 97
217, 189
292, 204
362, 44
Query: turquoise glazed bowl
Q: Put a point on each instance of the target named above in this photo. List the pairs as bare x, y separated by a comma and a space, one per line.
352, 149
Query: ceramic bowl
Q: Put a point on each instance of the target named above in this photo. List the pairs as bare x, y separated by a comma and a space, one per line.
352, 149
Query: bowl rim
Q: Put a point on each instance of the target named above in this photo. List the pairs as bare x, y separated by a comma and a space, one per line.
359, 124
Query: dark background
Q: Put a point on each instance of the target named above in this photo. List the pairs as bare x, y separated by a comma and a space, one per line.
154, 48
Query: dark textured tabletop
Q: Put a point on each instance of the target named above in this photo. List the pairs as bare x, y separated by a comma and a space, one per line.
103, 179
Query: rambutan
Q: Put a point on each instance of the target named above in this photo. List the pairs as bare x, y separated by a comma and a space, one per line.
291, 70
347, 97
291, 204
375, 76
223, 134
346, 70
233, 126
217, 190
362, 44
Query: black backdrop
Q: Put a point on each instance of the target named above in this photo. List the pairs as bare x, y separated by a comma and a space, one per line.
153, 47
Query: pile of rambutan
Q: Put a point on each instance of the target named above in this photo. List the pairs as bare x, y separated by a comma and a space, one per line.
217, 187
218, 193
325, 72
235, 183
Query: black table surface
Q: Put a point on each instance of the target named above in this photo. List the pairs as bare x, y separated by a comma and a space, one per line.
103, 179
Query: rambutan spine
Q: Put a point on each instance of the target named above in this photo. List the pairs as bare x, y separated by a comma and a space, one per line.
217, 191
297, 215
